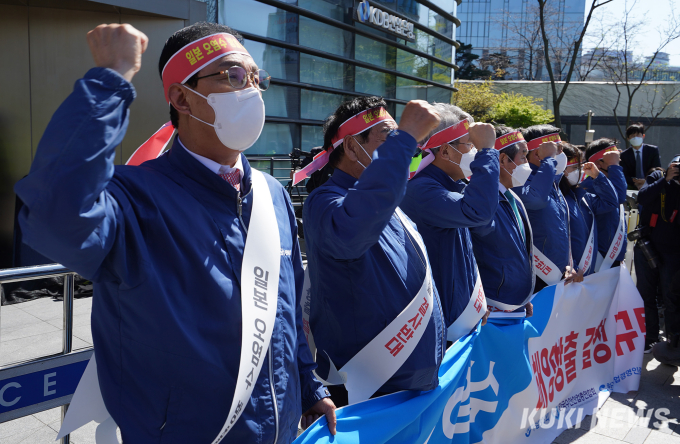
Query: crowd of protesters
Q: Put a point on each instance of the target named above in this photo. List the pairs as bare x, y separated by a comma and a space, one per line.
491, 216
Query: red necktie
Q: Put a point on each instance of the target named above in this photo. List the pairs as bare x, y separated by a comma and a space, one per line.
234, 178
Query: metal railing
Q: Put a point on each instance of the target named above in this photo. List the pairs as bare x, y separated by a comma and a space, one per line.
279, 168
66, 356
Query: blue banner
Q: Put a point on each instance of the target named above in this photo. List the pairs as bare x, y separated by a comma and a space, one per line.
496, 351
515, 380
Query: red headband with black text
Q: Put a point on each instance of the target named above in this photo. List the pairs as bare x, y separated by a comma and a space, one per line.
356, 124
535, 143
448, 134
509, 139
600, 154
197, 55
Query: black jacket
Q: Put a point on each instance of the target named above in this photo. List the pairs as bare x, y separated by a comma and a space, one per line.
650, 159
665, 221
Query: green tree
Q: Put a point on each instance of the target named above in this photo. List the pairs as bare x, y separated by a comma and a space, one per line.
477, 99
516, 110
512, 109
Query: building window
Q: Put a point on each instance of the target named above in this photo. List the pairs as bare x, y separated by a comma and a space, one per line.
294, 113
276, 139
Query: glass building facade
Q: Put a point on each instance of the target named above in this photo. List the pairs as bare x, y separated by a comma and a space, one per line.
319, 55
511, 27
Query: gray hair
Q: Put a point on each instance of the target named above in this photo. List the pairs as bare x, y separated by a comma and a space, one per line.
448, 115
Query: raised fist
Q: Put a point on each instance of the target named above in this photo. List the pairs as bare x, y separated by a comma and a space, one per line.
590, 169
119, 47
611, 158
547, 149
482, 135
418, 119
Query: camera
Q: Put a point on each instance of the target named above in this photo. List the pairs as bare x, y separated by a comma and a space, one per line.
675, 163
641, 235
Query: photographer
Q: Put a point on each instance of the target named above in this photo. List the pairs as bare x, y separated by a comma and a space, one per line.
646, 263
662, 200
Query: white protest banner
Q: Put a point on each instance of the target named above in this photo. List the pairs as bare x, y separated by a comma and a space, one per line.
514, 380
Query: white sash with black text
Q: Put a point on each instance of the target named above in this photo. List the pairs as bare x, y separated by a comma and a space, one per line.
589, 252
474, 311
615, 246
380, 359
259, 296
259, 301
501, 309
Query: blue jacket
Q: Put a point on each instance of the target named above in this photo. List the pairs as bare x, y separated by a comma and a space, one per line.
163, 245
364, 269
608, 222
547, 212
504, 258
443, 214
581, 216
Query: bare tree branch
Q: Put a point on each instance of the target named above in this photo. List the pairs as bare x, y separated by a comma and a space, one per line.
557, 99
629, 72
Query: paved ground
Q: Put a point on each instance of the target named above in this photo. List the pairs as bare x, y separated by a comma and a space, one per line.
34, 329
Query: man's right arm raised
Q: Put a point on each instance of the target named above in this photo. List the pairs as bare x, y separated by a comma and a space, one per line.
68, 215
349, 225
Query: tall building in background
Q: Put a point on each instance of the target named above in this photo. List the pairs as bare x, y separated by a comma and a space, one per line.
506, 34
322, 52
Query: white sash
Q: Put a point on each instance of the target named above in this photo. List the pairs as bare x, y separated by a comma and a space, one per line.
380, 359
474, 311
306, 305
545, 268
259, 300
259, 296
617, 243
505, 310
588, 253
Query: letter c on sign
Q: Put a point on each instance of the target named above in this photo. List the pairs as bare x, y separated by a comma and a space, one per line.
2, 394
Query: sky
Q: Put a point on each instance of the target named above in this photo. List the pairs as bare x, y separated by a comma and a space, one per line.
655, 14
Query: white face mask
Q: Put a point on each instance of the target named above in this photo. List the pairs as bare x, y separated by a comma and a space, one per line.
574, 177
520, 174
561, 163
636, 141
239, 117
465, 161
362, 149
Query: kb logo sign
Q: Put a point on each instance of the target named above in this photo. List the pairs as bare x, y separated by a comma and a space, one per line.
386, 21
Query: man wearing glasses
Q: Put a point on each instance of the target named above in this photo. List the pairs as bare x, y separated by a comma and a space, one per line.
194, 255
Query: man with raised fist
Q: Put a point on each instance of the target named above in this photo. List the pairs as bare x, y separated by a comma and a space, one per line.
194, 255
375, 313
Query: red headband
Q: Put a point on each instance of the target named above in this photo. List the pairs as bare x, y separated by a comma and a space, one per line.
359, 123
448, 134
535, 143
600, 154
356, 124
196, 55
575, 162
508, 139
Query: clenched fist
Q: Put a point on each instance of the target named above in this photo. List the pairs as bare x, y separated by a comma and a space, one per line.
482, 135
611, 158
590, 169
418, 119
547, 149
118, 47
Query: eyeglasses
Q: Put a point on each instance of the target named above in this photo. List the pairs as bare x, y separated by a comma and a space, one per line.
238, 77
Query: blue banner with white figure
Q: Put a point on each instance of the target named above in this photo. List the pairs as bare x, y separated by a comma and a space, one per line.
515, 380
